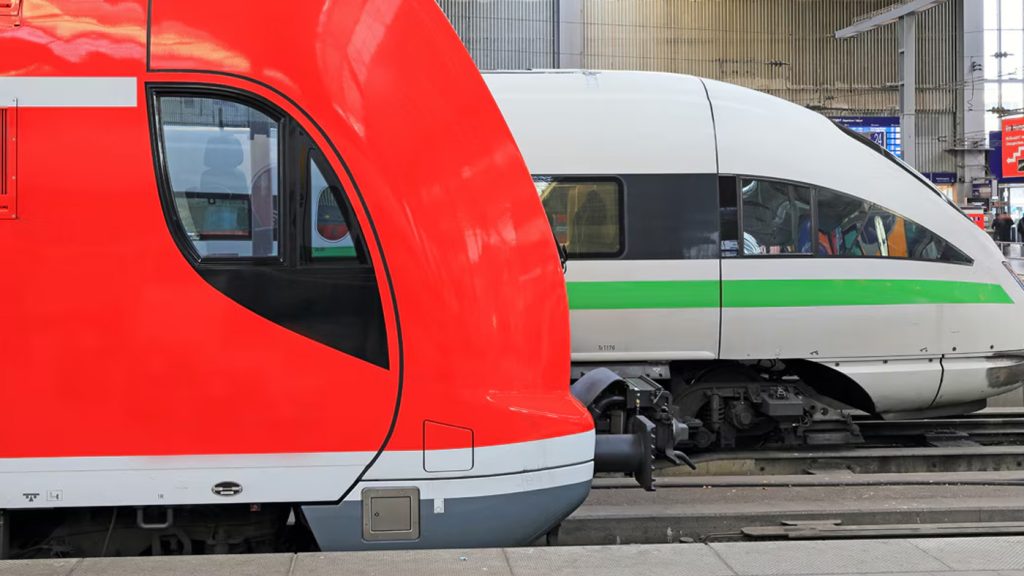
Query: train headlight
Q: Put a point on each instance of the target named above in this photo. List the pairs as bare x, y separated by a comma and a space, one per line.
1014, 274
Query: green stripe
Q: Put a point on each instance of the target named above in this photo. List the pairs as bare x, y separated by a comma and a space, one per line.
335, 252
778, 293
771, 293
626, 295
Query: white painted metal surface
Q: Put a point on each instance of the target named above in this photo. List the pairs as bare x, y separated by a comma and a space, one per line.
180, 480
644, 334
895, 385
590, 123
579, 122
70, 92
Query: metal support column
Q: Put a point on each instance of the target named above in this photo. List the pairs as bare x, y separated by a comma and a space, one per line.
908, 87
906, 14
569, 34
972, 140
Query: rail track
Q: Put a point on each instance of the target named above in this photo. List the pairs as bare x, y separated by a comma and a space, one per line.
909, 478
986, 441
985, 428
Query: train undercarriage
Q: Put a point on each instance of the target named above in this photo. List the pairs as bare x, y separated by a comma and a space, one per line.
651, 414
152, 531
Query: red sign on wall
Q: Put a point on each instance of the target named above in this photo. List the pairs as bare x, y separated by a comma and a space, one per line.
1013, 147
977, 216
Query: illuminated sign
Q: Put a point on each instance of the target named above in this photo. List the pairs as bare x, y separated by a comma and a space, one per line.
882, 130
1013, 147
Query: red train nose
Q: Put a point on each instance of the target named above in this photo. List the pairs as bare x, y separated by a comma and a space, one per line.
175, 319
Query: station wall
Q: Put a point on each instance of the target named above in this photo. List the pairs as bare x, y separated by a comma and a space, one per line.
783, 47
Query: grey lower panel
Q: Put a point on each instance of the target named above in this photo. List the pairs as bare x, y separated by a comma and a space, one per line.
481, 522
1008, 375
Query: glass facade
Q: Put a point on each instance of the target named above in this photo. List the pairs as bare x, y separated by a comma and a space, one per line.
1004, 60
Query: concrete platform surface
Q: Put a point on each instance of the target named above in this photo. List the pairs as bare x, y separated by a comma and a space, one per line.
945, 556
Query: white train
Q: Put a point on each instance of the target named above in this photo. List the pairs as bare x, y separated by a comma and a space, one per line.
760, 257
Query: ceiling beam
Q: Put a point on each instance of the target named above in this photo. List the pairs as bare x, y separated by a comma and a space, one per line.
886, 16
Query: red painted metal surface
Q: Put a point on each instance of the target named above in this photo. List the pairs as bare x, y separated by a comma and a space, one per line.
112, 343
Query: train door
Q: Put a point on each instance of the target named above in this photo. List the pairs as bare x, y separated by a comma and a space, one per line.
260, 204
642, 272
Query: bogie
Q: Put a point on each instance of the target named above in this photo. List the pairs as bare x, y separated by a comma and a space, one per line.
732, 405
754, 405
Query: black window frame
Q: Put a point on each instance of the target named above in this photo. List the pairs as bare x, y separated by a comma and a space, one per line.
729, 199
599, 178
814, 189
294, 247
336, 303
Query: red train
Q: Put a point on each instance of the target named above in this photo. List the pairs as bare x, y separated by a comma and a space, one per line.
265, 267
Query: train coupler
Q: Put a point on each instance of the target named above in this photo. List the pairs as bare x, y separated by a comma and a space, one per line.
635, 424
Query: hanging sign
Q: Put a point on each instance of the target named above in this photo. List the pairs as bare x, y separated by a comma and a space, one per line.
1013, 147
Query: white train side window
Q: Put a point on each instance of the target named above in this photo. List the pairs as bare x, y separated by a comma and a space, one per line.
841, 223
776, 218
851, 227
221, 158
585, 214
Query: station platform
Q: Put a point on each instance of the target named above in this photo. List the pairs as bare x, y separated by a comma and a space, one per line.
731, 508
946, 556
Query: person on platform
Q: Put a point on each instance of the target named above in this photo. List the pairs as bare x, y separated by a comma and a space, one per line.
1002, 225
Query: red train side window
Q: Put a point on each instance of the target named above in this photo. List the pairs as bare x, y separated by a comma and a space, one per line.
221, 159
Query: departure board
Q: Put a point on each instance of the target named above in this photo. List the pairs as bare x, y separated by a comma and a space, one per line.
882, 130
